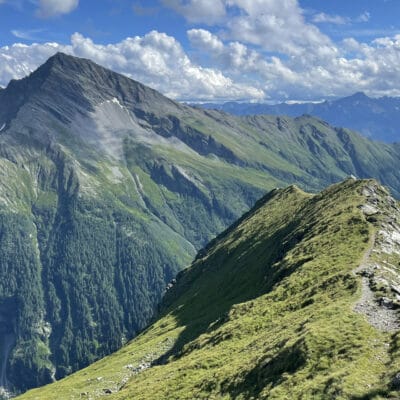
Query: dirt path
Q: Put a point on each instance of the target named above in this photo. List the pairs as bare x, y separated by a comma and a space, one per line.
380, 317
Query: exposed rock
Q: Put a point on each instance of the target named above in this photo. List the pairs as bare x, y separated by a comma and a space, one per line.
395, 289
367, 273
368, 209
395, 384
385, 302
378, 275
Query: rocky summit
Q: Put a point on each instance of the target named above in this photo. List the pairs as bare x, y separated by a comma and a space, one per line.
108, 189
298, 299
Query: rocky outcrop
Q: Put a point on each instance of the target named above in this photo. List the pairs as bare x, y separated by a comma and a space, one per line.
379, 270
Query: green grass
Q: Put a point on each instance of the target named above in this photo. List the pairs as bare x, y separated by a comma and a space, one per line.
265, 311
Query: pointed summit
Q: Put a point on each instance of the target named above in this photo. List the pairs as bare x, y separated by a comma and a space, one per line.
358, 96
98, 83
66, 85
75, 67
61, 57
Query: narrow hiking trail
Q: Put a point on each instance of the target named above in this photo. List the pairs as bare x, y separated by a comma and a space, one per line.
379, 316
374, 269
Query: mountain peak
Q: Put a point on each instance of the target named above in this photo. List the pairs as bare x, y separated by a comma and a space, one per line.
70, 64
59, 57
358, 96
68, 85
70, 67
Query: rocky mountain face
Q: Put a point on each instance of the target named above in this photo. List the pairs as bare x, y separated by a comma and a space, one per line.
297, 299
375, 118
108, 189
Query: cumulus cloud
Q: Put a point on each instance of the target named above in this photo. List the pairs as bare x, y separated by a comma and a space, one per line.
279, 26
372, 68
155, 59
274, 25
19, 60
205, 40
52, 8
270, 43
257, 49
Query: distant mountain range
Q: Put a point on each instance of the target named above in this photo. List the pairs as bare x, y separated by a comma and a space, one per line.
375, 118
108, 189
297, 300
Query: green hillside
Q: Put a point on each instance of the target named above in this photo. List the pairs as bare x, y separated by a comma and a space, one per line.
297, 300
108, 189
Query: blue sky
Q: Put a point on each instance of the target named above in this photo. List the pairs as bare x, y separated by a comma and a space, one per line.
215, 50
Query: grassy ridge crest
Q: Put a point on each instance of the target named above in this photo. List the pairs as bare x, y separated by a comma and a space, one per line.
265, 311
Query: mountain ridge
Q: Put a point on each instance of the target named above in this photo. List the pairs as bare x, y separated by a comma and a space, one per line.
105, 195
267, 310
375, 118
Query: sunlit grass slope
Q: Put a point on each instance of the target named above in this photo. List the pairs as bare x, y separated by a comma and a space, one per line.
265, 311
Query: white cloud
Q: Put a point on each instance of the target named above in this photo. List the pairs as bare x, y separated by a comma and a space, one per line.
276, 26
155, 59
364, 17
339, 19
270, 44
372, 68
199, 11
51, 8
205, 40
331, 19
19, 60
258, 49
26, 34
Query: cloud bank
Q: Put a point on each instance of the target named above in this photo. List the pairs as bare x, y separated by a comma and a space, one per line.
244, 49
155, 59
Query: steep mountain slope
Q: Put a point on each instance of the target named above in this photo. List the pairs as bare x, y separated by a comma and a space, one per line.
108, 189
376, 118
273, 308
